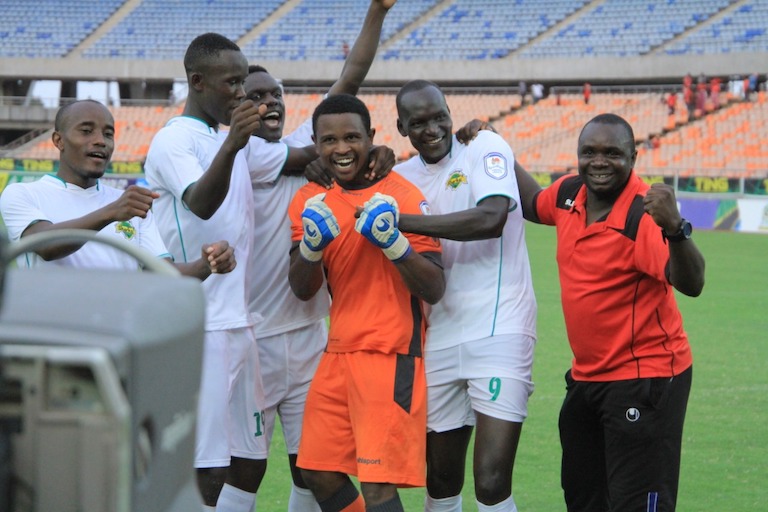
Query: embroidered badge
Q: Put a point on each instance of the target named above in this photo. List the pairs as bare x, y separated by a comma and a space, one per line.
126, 228
495, 165
456, 179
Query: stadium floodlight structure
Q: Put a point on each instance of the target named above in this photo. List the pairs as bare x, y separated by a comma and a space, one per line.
99, 379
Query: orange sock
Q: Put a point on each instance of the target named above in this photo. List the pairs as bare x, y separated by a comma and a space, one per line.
346, 499
356, 506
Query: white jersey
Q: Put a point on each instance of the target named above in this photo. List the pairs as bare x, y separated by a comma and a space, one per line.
271, 296
489, 290
54, 200
179, 155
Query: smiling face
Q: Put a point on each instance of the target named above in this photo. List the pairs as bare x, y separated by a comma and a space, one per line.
263, 89
424, 118
607, 155
343, 146
85, 139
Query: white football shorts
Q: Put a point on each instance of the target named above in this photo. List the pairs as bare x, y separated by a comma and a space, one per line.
491, 376
230, 419
288, 363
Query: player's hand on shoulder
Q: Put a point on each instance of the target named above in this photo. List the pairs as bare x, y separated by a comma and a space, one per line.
469, 131
316, 173
220, 257
134, 202
246, 118
381, 160
660, 203
320, 228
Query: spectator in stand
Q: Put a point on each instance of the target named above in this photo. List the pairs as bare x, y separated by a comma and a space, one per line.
689, 100
671, 103
687, 81
523, 88
587, 91
751, 85
714, 92
701, 98
537, 92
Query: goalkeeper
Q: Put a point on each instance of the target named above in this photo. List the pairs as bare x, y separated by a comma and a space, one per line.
366, 408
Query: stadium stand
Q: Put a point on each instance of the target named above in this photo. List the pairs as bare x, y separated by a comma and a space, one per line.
725, 140
142, 33
324, 27
624, 27
49, 28
134, 129
145, 34
743, 29
730, 142
480, 30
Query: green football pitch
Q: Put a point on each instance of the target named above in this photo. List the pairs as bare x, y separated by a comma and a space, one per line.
725, 451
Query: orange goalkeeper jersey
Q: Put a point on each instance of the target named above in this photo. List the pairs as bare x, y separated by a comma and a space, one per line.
371, 307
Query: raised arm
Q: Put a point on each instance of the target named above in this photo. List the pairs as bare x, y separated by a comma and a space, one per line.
361, 55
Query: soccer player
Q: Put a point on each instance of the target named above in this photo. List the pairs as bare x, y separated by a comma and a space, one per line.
204, 180
366, 408
293, 333
75, 198
622, 250
481, 336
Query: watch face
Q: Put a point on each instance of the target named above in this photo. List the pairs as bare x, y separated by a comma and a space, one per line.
686, 228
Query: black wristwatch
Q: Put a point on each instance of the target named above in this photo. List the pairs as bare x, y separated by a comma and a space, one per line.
683, 232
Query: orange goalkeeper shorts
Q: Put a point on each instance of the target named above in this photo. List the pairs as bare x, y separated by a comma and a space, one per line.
366, 416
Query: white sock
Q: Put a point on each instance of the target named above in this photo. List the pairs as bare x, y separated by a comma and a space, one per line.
302, 500
450, 504
206, 508
233, 499
508, 505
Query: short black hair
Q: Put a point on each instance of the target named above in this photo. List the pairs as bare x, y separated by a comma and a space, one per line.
205, 46
413, 86
255, 68
342, 104
59, 123
611, 119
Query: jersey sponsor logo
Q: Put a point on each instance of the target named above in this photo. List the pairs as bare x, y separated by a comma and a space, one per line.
126, 228
495, 165
456, 179
363, 460
632, 414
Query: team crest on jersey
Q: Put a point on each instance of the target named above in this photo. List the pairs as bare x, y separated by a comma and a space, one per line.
495, 165
126, 228
456, 179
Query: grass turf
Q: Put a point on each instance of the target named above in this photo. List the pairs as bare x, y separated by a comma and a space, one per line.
726, 434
